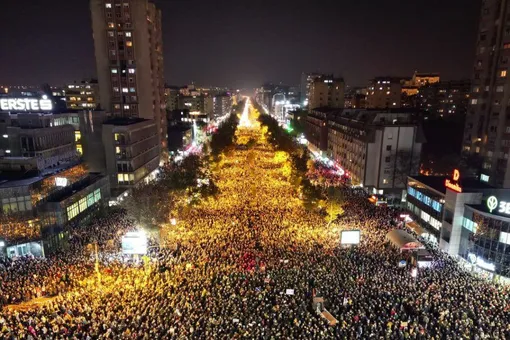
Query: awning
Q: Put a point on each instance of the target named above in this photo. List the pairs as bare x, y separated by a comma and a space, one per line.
403, 240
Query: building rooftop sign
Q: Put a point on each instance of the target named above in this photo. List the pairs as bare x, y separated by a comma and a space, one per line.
453, 184
26, 104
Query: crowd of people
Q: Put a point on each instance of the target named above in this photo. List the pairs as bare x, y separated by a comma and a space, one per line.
246, 264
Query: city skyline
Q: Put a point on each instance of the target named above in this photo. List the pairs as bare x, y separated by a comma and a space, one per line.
201, 42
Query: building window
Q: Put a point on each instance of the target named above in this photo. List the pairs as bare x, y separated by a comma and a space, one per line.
132, 89
108, 5
385, 181
111, 25
474, 101
500, 88
506, 46
115, 89
502, 74
388, 159
131, 70
125, 89
129, 43
388, 147
126, 107
114, 70
128, 34
504, 237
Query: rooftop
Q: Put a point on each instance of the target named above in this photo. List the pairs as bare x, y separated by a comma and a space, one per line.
467, 184
124, 121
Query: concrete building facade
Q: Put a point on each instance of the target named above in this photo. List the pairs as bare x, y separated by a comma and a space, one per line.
129, 59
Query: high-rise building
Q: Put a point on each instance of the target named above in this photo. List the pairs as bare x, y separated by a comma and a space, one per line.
129, 59
487, 127
327, 91
306, 82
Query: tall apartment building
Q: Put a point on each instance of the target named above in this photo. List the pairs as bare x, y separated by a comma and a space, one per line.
82, 96
129, 59
306, 82
384, 92
222, 104
487, 127
326, 91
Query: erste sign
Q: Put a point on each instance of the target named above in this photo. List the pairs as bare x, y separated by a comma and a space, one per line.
26, 104
493, 202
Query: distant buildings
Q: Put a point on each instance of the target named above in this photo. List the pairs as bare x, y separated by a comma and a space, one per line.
384, 92
326, 90
355, 98
129, 59
377, 148
222, 105
444, 98
82, 96
307, 80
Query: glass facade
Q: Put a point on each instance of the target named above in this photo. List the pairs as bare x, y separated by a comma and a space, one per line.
83, 204
437, 206
486, 239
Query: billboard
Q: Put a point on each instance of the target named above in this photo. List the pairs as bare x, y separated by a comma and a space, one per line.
350, 237
134, 243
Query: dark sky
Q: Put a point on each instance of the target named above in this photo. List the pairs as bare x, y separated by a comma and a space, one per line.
245, 42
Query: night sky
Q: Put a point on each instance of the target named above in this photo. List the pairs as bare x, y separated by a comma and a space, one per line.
245, 43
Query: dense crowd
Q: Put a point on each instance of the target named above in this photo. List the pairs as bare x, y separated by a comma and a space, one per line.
246, 264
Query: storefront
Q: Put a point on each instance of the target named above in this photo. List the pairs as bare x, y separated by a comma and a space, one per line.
485, 237
424, 200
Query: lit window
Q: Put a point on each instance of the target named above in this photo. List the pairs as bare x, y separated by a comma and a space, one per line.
503, 74
114, 70
131, 70
385, 181
116, 106
111, 25
474, 101
126, 107
132, 89
504, 237
77, 136
128, 34
500, 88
129, 43
117, 150
108, 5
387, 92
125, 89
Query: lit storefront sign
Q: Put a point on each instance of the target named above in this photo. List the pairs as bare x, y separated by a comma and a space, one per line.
61, 181
453, 183
26, 104
493, 203
480, 262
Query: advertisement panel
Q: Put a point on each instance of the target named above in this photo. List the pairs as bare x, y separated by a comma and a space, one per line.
134, 243
350, 236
